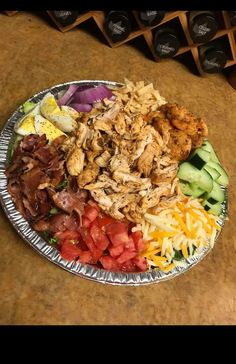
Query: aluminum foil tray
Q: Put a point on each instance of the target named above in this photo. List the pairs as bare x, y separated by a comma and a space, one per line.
23, 228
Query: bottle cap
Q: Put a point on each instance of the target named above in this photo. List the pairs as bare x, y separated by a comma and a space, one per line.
166, 45
151, 17
117, 26
203, 28
213, 60
232, 15
65, 17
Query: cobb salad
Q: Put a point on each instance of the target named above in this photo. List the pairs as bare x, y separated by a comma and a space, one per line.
118, 178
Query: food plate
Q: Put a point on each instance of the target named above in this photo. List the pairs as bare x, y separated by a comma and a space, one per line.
35, 240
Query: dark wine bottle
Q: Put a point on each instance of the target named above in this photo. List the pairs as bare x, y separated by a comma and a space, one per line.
166, 42
232, 16
151, 17
203, 25
118, 25
65, 17
212, 57
232, 77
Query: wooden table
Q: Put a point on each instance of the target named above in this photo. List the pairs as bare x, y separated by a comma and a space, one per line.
35, 56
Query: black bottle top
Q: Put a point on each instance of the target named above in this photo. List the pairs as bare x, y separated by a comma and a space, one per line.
151, 17
65, 17
203, 26
118, 25
212, 57
232, 77
232, 15
166, 43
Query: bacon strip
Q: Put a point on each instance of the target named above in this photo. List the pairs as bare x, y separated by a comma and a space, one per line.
34, 163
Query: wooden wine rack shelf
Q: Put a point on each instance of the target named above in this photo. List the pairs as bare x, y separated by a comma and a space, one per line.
226, 32
11, 13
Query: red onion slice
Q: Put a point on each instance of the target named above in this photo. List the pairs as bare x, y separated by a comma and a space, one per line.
91, 95
81, 107
68, 94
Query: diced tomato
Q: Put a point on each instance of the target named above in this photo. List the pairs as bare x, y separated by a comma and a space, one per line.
109, 263
115, 251
81, 244
94, 204
126, 255
86, 257
128, 266
69, 251
86, 222
68, 234
141, 263
90, 212
130, 245
103, 220
138, 240
96, 252
99, 238
117, 233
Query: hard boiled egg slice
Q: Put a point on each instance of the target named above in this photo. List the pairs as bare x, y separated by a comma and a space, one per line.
44, 126
48, 105
25, 126
72, 112
52, 112
64, 121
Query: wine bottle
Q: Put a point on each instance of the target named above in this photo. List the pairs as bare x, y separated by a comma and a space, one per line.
203, 25
232, 16
118, 25
151, 17
65, 17
232, 77
166, 42
212, 57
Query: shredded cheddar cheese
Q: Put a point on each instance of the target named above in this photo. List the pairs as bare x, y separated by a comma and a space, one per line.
178, 233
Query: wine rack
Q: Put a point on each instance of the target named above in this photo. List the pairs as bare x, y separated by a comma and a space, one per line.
10, 13
226, 33
80, 19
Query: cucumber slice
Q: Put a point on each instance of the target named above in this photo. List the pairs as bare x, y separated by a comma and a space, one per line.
191, 189
202, 178
187, 172
199, 158
213, 209
215, 195
207, 146
213, 172
196, 190
185, 188
223, 179
28, 106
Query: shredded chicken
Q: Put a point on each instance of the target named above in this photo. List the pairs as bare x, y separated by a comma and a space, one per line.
75, 161
88, 175
126, 151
